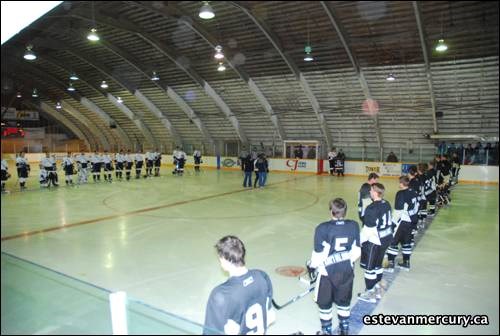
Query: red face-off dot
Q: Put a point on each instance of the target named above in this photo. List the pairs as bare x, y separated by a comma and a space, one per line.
290, 271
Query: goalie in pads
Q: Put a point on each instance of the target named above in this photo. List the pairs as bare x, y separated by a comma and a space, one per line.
336, 248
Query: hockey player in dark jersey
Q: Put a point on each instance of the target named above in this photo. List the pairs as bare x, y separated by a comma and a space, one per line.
241, 305
336, 248
375, 236
430, 188
364, 198
415, 186
405, 212
422, 209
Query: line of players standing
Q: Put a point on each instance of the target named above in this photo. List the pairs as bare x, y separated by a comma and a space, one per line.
83, 165
339, 242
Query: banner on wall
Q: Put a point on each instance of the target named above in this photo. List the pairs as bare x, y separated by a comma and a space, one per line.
390, 169
405, 167
372, 168
13, 114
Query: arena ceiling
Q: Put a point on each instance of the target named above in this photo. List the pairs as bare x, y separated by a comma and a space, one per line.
267, 93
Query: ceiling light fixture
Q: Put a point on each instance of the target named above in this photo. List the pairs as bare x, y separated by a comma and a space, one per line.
71, 88
441, 46
92, 36
206, 11
390, 77
218, 53
221, 67
308, 57
155, 76
29, 54
58, 105
104, 85
34, 94
73, 76
18, 95
119, 100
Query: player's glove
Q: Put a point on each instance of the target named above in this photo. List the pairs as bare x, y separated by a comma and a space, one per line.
313, 272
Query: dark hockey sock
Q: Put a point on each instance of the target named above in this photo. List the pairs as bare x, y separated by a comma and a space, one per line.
406, 257
137, 173
99, 177
22, 184
391, 257
105, 177
370, 279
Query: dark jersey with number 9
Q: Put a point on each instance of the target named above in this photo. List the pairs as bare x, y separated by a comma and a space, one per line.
240, 305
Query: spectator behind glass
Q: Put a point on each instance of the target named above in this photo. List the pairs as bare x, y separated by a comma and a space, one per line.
392, 157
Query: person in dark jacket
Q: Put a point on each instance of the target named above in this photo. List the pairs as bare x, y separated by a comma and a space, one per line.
261, 165
248, 167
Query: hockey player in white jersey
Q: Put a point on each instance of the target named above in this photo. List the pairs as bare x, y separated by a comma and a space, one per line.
119, 161
197, 160
108, 166
68, 167
22, 170
96, 162
83, 168
139, 160
47, 172
157, 162
180, 159
5, 173
129, 161
150, 159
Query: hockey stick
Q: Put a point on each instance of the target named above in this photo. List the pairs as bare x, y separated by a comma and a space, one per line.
292, 300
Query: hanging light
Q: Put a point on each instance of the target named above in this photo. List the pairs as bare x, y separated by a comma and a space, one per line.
92, 36
155, 76
58, 105
73, 76
29, 54
221, 67
308, 57
119, 100
441, 46
390, 77
206, 11
104, 85
218, 52
71, 88
34, 94
18, 95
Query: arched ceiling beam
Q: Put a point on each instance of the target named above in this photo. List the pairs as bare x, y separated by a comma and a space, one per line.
137, 120
68, 108
423, 38
62, 119
166, 51
172, 11
125, 140
357, 68
42, 79
275, 41
85, 121
44, 108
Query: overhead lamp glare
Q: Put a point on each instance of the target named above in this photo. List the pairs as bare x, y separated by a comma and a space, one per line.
155, 76
29, 55
71, 88
58, 106
218, 52
441, 46
73, 76
206, 11
390, 77
18, 95
221, 67
92, 36
104, 85
119, 100
308, 57
34, 94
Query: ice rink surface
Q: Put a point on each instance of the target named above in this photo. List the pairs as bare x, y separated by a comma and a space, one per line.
154, 238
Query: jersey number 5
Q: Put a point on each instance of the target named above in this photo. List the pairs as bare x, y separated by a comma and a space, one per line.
338, 244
